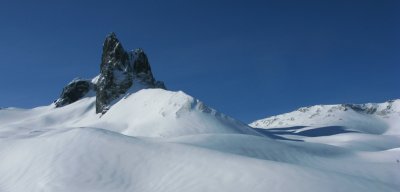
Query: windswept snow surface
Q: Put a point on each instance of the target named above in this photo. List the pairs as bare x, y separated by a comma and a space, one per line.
372, 126
158, 140
370, 132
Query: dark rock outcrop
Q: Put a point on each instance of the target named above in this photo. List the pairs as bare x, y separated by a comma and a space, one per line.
120, 72
115, 73
74, 91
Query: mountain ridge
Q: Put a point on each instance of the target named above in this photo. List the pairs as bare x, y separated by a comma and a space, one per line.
380, 109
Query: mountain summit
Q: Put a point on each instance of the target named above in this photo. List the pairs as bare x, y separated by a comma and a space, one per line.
120, 71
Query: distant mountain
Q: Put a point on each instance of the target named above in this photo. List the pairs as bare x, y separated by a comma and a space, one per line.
341, 114
346, 124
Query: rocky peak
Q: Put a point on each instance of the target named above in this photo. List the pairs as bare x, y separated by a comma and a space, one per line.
119, 72
141, 64
113, 55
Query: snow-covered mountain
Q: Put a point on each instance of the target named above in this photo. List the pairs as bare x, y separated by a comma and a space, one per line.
151, 139
371, 126
121, 71
147, 113
356, 115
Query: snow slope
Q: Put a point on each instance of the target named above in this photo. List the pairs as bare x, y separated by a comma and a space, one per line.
148, 113
369, 131
371, 126
158, 140
374, 118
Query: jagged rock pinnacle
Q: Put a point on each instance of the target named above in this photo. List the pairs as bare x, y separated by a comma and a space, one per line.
119, 71
141, 64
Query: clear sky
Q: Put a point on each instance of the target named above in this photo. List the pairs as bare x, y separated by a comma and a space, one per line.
248, 59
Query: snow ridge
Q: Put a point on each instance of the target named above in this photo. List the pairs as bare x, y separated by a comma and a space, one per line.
332, 114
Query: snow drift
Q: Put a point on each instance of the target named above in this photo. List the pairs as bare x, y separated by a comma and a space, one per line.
158, 140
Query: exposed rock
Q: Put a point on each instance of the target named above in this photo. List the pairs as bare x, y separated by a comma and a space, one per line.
115, 73
361, 108
74, 91
160, 84
140, 62
119, 71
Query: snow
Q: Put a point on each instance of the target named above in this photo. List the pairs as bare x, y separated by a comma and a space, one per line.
374, 118
95, 79
158, 140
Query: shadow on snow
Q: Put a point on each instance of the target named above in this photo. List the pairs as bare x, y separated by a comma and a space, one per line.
277, 133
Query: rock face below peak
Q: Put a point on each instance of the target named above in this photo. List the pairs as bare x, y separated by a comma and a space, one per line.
120, 71
74, 91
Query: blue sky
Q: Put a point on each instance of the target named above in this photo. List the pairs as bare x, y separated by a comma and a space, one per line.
248, 59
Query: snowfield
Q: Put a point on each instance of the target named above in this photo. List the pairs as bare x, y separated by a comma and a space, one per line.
158, 140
